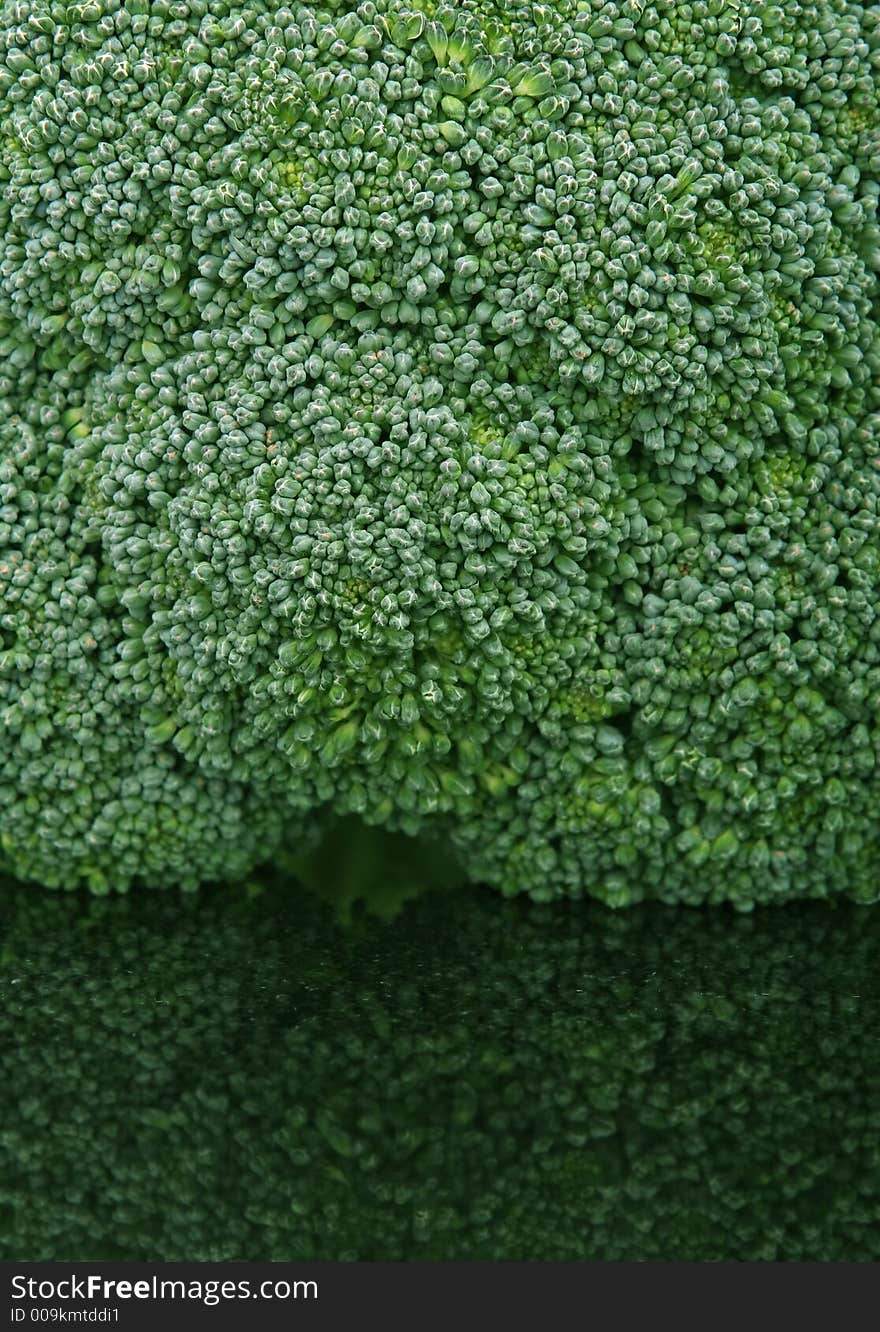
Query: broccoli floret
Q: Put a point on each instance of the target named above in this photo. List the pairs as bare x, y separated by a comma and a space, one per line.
234, 1078
462, 417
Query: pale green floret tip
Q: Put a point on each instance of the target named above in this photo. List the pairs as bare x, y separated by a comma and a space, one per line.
466, 417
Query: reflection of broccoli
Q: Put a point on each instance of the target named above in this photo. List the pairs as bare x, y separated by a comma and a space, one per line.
234, 1077
464, 417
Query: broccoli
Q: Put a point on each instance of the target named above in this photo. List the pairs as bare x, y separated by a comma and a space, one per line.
230, 1076
464, 418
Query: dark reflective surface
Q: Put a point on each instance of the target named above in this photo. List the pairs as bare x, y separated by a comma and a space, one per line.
234, 1075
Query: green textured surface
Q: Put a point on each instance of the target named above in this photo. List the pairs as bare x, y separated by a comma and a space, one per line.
235, 1076
465, 417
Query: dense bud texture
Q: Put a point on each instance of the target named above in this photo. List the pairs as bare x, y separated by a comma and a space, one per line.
465, 417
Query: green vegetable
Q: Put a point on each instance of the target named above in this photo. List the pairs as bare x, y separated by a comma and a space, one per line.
464, 418
232, 1076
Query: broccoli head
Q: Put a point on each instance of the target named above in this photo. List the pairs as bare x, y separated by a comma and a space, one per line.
465, 418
